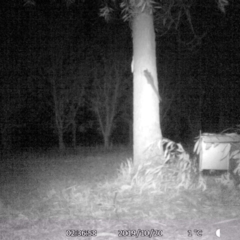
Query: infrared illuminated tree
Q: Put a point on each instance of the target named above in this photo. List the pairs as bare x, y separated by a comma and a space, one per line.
146, 120
146, 107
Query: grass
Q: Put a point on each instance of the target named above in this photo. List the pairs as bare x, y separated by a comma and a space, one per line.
45, 194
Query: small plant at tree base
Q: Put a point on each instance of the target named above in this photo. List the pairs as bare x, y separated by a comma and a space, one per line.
175, 172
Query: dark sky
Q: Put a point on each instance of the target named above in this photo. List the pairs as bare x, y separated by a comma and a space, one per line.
202, 74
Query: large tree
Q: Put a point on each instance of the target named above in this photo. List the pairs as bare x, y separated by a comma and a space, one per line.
146, 122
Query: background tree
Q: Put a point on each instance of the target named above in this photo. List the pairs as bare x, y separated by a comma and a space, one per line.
67, 73
110, 84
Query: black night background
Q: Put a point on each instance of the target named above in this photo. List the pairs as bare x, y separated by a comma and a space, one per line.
66, 84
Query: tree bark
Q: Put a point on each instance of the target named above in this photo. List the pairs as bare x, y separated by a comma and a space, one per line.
106, 141
146, 117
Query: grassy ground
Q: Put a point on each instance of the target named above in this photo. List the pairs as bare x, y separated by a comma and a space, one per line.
48, 195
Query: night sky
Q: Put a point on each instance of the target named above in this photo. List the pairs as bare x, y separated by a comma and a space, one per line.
198, 71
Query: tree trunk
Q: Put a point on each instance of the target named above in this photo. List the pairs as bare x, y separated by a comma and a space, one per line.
106, 141
146, 127
61, 144
106, 137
